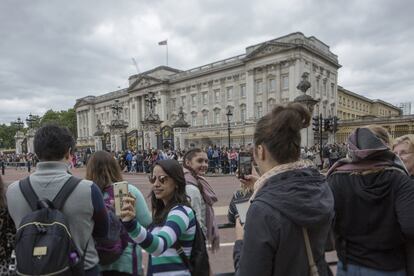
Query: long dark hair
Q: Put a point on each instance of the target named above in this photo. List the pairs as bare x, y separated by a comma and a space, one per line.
103, 169
174, 170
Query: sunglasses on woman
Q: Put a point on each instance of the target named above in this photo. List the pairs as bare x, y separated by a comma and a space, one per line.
161, 178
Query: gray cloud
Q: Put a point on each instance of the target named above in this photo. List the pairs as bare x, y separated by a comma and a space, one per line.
53, 52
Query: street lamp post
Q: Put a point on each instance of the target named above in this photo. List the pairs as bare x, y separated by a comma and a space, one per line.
229, 114
305, 99
18, 123
30, 120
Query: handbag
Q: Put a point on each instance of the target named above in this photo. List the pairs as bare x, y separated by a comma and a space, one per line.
313, 269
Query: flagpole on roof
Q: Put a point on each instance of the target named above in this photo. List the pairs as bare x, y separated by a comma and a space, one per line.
162, 43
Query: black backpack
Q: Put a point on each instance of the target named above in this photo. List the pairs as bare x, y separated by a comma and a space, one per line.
44, 244
198, 264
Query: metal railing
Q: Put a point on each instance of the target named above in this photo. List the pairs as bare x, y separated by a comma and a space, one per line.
16, 164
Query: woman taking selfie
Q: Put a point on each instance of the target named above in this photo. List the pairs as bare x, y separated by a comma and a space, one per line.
291, 202
201, 194
103, 170
173, 220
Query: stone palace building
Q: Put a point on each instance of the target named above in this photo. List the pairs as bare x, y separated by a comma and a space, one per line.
170, 107
247, 85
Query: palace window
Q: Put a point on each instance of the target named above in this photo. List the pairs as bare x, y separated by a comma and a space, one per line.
217, 116
272, 85
243, 91
242, 113
205, 98
194, 99
285, 82
217, 95
205, 118
230, 93
183, 100
259, 110
259, 86
194, 119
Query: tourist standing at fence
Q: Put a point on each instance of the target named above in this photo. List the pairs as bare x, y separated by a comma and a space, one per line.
201, 194
291, 202
374, 203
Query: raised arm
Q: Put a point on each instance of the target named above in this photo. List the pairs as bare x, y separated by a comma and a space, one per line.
178, 221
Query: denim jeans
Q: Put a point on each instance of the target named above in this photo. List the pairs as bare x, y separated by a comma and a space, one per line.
356, 270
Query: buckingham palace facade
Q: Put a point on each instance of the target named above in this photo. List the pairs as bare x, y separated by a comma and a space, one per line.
248, 85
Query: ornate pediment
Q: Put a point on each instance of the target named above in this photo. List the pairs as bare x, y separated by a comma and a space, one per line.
270, 48
144, 81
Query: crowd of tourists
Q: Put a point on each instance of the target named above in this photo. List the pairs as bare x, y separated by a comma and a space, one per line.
221, 160
363, 207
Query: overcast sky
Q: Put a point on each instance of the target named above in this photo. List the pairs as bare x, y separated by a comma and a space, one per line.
53, 52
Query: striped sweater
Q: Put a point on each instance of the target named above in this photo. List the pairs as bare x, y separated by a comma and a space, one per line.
159, 241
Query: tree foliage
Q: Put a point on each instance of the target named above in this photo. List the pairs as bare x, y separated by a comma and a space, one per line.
7, 136
65, 118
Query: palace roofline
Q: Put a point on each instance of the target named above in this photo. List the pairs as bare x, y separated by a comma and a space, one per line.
372, 101
297, 40
168, 68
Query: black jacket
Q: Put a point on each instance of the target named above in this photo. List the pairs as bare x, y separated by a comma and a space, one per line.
374, 217
273, 241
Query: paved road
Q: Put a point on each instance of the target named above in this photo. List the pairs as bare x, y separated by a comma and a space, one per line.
224, 186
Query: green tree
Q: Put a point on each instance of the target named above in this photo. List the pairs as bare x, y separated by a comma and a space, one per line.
68, 119
50, 117
65, 118
7, 136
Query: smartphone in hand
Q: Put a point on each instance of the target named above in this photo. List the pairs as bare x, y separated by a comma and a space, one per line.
242, 207
244, 164
120, 190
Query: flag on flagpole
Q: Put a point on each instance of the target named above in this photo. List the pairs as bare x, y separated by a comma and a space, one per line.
164, 42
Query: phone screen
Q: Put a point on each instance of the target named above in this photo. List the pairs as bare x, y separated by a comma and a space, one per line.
245, 164
120, 189
242, 208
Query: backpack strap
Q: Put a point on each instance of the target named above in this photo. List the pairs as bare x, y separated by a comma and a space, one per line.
65, 192
311, 260
180, 252
29, 193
